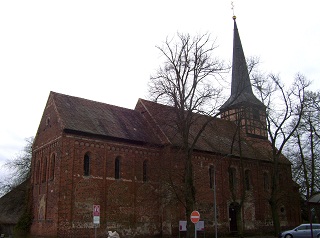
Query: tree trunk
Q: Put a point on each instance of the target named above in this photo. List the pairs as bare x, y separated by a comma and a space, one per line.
239, 221
189, 193
275, 215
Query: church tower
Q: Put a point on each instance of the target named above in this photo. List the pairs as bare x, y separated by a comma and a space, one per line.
243, 107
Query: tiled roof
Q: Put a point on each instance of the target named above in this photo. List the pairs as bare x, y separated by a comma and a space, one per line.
82, 115
153, 123
218, 136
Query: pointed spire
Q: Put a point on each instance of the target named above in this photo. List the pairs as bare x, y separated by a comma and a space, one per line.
241, 90
240, 76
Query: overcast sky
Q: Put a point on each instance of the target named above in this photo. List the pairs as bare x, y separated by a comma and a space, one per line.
105, 50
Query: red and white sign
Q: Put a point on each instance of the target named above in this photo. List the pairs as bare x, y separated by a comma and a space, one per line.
96, 210
96, 214
195, 217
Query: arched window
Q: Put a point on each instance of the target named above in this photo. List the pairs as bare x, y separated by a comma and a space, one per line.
117, 168
52, 166
232, 178
211, 176
44, 170
38, 172
247, 179
145, 169
86, 165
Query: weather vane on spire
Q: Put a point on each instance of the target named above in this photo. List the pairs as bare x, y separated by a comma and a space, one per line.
232, 8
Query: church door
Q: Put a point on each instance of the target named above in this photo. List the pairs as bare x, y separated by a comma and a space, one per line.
233, 217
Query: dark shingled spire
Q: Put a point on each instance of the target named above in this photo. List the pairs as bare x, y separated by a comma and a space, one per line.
241, 90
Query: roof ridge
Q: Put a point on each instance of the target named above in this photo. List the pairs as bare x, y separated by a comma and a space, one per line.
90, 100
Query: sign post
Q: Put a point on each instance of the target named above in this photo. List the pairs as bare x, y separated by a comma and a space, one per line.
195, 217
96, 218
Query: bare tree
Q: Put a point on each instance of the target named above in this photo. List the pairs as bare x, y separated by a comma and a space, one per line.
285, 108
189, 82
304, 149
19, 167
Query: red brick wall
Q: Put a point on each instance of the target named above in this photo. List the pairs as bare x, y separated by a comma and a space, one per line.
62, 206
130, 205
124, 203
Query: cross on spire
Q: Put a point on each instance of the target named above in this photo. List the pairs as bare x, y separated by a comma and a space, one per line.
232, 8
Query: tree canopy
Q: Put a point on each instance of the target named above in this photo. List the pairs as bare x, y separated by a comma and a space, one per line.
19, 167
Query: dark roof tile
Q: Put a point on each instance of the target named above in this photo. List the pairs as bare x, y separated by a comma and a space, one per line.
82, 115
218, 136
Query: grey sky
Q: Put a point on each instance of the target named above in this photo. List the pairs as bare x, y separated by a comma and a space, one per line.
105, 50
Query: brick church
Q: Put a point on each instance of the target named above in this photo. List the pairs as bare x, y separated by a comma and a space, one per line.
88, 153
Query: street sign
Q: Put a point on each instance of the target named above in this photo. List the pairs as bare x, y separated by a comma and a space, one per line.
195, 217
96, 214
96, 220
182, 225
200, 226
96, 210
